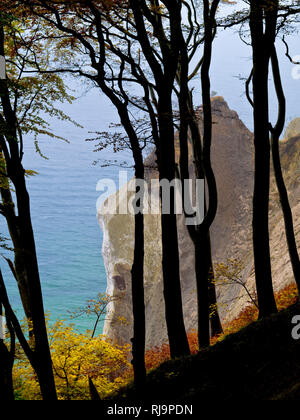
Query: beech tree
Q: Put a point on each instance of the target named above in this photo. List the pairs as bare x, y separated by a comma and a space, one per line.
164, 71
162, 121
263, 20
209, 16
24, 99
264, 26
65, 20
163, 25
20, 227
7, 356
276, 132
267, 20
189, 127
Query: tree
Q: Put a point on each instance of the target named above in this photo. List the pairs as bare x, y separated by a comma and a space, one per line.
102, 19
164, 73
78, 359
206, 293
24, 101
94, 43
22, 233
277, 16
276, 132
97, 307
209, 14
7, 355
33, 356
263, 19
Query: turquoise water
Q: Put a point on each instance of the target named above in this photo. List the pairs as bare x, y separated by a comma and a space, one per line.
63, 195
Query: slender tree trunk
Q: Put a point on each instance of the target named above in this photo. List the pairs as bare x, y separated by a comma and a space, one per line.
206, 294
93, 391
209, 12
287, 211
202, 275
33, 285
215, 321
6, 382
138, 299
137, 271
23, 233
164, 76
12, 224
283, 193
171, 265
261, 241
6, 366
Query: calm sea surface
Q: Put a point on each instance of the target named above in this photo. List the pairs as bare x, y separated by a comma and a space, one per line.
63, 195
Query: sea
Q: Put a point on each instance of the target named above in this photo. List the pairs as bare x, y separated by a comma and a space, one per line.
63, 193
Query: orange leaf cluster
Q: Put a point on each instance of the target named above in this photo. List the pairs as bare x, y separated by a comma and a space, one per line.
284, 298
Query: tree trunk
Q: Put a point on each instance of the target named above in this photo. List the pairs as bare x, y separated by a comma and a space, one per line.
179, 345
33, 285
138, 299
12, 224
164, 75
261, 241
137, 270
215, 321
283, 193
287, 212
6, 382
200, 238
6, 365
23, 232
202, 274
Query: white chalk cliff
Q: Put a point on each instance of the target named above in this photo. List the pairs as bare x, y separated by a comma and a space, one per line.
232, 156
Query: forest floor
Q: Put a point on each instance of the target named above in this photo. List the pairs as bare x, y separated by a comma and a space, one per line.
260, 362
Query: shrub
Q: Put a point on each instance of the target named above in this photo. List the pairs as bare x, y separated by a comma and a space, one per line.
76, 357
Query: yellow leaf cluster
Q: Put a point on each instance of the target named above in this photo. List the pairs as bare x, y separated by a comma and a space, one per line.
76, 357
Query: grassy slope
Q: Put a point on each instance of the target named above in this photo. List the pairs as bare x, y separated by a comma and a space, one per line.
260, 362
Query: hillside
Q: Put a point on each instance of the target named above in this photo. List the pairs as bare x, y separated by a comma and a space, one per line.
261, 362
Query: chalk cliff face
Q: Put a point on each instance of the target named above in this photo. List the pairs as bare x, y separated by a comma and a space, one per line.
232, 156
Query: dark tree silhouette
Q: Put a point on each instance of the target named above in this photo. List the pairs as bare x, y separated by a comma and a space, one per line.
276, 132
7, 357
164, 73
206, 293
22, 236
263, 19
209, 13
96, 52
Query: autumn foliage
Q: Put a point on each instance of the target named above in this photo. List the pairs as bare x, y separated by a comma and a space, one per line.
78, 357
284, 298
